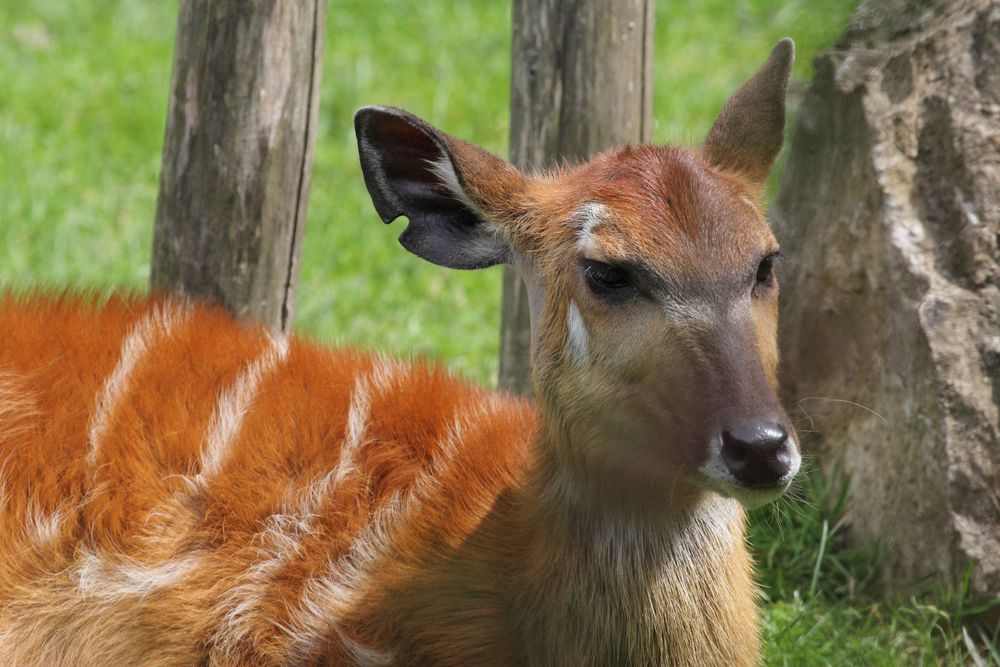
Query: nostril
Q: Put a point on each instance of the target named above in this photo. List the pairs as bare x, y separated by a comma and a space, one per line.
734, 453
757, 453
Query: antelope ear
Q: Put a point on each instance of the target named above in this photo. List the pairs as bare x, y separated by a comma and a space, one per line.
411, 170
747, 135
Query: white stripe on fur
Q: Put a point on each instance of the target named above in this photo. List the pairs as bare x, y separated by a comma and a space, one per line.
97, 578
158, 322
232, 406
357, 418
328, 599
281, 539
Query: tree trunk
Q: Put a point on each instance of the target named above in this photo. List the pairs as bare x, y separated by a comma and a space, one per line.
581, 82
237, 155
889, 211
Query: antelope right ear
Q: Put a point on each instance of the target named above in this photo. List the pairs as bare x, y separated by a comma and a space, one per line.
747, 135
413, 169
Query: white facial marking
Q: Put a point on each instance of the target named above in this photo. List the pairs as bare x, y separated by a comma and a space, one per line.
159, 322
587, 217
718, 476
716, 468
576, 335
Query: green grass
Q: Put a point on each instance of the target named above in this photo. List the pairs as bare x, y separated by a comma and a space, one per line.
83, 96
823, 600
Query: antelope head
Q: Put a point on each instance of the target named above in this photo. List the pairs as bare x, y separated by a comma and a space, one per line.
650, 277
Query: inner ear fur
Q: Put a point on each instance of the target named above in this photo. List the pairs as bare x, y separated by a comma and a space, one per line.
451, 191
747, 136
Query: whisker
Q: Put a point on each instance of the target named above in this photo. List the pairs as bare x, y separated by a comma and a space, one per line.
841, 400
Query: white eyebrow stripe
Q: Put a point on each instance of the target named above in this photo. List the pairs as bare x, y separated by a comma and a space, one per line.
589, 216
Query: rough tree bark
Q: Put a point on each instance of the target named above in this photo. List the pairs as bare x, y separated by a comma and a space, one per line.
237, 155
890, 212
581, 82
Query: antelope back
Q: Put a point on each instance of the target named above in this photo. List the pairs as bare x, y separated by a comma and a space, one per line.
177, 485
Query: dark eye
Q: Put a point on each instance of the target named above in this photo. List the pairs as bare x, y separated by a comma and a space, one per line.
765, 270
606, 279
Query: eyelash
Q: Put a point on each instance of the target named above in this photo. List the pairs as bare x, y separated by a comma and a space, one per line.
607, 280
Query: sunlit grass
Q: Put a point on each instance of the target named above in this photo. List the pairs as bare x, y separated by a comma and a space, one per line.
824, 600
83, 96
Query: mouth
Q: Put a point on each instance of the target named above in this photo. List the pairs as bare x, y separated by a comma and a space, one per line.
716, 476
749, 496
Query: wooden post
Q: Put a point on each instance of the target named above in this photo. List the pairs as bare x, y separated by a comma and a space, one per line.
237, 156
581, 83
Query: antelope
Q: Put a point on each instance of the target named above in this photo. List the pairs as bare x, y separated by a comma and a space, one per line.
179, 488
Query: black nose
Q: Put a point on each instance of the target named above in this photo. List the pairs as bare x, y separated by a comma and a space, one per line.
757, 453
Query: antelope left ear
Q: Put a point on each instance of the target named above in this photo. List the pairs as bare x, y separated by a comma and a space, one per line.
747, 135
442, 185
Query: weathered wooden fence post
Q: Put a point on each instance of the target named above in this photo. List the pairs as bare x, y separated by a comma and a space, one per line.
581, 82
237, 155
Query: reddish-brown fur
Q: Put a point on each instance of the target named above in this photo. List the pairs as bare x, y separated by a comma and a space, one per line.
137, 507
137, 510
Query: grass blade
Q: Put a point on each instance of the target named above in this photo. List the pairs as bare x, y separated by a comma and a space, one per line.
819, 559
